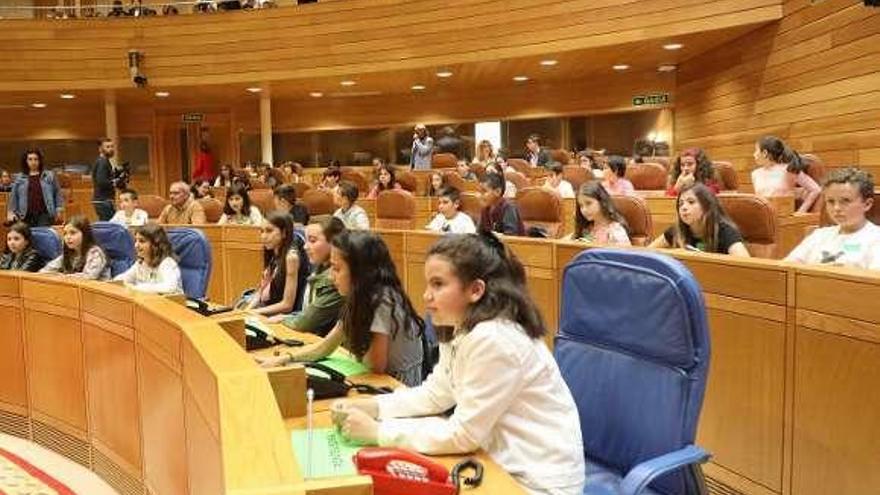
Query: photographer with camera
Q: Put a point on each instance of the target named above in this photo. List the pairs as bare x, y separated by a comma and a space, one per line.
35, 197
102, 181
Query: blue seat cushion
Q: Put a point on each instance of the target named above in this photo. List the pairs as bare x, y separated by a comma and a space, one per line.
604, 481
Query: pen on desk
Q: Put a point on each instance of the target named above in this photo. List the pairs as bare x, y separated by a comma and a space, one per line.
310, 398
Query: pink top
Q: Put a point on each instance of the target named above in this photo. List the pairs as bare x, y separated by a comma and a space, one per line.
622, 187
772, 181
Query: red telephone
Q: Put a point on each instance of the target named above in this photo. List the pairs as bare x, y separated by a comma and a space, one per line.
398, 471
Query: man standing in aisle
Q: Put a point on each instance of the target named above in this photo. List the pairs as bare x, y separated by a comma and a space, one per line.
102, 181
422, 148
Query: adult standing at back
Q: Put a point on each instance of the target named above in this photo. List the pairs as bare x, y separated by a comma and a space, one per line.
422, 148
35, 197
204, 164
102, 181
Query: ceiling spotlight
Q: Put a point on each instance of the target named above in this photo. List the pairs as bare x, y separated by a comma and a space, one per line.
549, 63
347, 83
67, 96
620, 67
162, 94
666, 68
418, 87
316, 94
444, 73
673, 46
254, 90
38, 105
520, 78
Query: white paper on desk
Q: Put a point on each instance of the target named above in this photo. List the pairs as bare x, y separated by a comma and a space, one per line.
257, 323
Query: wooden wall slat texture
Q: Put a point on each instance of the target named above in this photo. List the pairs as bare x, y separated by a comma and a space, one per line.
812, 79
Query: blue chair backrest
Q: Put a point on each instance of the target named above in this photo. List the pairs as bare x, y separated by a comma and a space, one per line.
47, 242
194, 259
117, 243
633, 346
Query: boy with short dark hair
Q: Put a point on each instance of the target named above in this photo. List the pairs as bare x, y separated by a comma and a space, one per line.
449, 218
128, 213
499, 215
854, 241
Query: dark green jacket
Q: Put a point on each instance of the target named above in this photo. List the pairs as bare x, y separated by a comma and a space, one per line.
322, 306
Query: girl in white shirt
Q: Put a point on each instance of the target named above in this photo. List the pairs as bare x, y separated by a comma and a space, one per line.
596, 219
238, 209
156, 270
449, 218
854, 241
495, 369
353, 216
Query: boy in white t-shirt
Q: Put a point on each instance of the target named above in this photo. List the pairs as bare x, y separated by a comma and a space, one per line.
449, 219
557, 184
128, 213
854, 241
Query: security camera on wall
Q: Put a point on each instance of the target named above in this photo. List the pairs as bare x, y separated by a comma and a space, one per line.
134, 68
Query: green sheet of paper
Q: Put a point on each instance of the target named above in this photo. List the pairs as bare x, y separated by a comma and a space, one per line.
332, 454
344, 363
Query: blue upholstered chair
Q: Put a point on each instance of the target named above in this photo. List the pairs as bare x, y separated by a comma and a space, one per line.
633, 347
194, 259
47, 242
117, 243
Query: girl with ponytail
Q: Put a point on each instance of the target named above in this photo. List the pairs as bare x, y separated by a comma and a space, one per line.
781, 172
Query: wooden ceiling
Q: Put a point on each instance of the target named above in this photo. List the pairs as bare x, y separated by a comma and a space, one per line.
591, 64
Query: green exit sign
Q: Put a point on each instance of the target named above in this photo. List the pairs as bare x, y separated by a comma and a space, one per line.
657, 99
193, 117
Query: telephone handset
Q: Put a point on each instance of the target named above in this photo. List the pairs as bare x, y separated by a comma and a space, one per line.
396, 471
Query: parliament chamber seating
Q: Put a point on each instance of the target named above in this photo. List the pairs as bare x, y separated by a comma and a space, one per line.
576, 175
542, 209
264, 199
756, 220
117, 243
647, 176
193, 253
396, 209
358, 178
47, 242
456, 181
152, 204
638, 218
213, 209
519, 180
519, 165
637, 372
472, 204
563, 157
319, 202
408, 181
726, 174
443, 160
300, 188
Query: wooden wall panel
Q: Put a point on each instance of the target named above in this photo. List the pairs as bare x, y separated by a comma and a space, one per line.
811, 79
13, 386
113, 392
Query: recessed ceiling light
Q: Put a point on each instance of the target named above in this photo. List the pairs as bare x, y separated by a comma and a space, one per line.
620, 67
316, 94
348, 83
38, 105
673, 46
67, 96
520, 78
444, 73
549, 62
162, 94
666, 68
418, 87
254, 90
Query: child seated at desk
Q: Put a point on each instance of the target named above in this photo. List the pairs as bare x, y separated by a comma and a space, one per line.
378, 323
495, 371
323, 302
596, 219
81, 256
353, 216
155, 271
238, 210
128, 213
556, 183
613, 173
702, 225
449, 218
781, 172
282, 285
499, 215
20, 253
854, 241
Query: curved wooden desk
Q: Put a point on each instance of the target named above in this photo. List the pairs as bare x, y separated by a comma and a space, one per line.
149, 395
